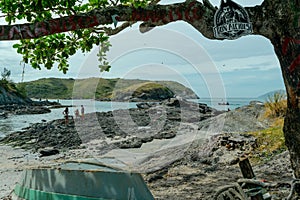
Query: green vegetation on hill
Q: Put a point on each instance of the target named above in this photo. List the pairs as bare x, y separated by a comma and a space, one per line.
93, 88
271, 140
7, 84
143, 91
102, 89
10, 87
48, 87
11, 93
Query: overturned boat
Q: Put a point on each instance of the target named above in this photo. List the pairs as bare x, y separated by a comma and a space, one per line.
81, 181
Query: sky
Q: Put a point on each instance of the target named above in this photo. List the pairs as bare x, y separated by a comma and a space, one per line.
246, 67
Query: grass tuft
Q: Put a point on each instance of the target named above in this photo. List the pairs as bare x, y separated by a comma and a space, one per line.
276, 105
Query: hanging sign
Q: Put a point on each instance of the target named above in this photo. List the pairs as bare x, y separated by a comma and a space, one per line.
231, 21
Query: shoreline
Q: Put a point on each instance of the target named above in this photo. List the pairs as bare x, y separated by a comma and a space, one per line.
13, 121
180, 155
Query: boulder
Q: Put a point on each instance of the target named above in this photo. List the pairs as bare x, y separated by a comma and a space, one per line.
48, 152
133, 142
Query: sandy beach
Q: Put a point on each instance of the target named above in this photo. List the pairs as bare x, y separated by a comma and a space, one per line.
152, 156
13, 162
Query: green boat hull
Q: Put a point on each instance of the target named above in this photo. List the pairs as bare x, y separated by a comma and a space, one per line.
81, 181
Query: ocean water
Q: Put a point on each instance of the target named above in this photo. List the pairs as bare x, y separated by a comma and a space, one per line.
233, 103
17, 122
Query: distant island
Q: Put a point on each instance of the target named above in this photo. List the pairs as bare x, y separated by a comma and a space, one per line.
106, 89
270, 94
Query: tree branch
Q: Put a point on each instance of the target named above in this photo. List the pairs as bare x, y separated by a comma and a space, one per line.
199, 15
192, 12
111, 31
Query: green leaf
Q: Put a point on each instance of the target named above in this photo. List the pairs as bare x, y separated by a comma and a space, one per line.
48, 65
16, 45
58, 48
104, 68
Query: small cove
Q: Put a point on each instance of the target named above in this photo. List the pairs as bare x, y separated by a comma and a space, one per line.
18, 122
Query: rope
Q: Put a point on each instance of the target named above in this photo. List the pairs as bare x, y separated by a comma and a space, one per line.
236, 192
251, 181
23, 72
233, 192
293, 186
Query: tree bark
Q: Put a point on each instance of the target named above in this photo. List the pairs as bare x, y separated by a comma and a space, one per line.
289, 57
199, 15
194, 12
285, 38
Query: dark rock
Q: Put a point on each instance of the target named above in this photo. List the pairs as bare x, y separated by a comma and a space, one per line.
243, 119
32, 110
157, 176
9, 98
133, 142
50, 104
259, 103
43, 135
211, 168
206, 161
3, 115
146, 105
233, 141
48, 152
112, 124
165, 135
147, 139
173, 102
234, 161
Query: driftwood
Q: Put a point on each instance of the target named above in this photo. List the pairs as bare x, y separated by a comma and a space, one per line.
248, 173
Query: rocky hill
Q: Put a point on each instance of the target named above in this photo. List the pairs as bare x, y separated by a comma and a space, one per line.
143, 91
14, 101
9, 94
105, 89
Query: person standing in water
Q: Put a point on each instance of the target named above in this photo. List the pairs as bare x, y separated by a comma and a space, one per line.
66, 114
82, 112
76, 114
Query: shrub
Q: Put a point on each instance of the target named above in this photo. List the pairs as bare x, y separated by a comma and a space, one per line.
270, 141
276, 105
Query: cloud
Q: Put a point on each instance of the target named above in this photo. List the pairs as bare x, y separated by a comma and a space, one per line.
209, 67
259, 63
160, 46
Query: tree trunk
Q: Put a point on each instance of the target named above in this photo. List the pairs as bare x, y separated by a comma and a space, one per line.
286, 41
287, 49
279, 21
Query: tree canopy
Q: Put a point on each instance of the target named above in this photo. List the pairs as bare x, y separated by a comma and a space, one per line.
55, 30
